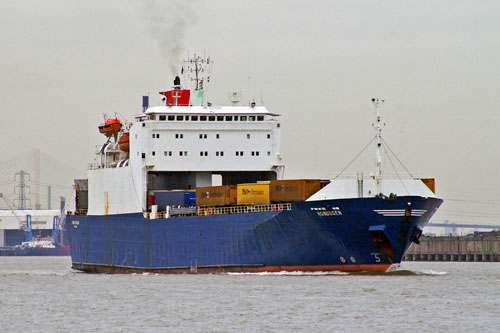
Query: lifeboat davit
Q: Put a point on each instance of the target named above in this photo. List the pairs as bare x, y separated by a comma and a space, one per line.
110, 127
124, 142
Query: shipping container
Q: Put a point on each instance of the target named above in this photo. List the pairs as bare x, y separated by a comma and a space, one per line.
430, 182
253, 194
291, 190
174, 198
216, 196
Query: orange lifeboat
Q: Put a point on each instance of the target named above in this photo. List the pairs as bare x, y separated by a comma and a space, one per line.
110, 127
124, 142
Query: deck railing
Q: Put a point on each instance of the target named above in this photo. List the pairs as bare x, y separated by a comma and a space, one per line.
206, 211
227, 210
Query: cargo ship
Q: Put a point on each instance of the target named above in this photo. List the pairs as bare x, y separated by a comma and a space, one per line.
149, 203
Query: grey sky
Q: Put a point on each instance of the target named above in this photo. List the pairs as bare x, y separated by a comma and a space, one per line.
318, 63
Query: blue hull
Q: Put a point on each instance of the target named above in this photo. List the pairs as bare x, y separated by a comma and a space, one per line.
344, 234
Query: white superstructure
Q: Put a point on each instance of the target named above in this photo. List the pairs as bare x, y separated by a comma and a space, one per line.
180, 146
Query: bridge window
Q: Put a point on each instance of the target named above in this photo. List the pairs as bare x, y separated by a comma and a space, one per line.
203, 118
163, 118
217, 136
269, 136
187, 118
243, 118
251, 118
260, 118
194, 118
248, 136
220, 118
153, 153
235, 118
211, 118
180, 118
167, 153
229, 118
171, 118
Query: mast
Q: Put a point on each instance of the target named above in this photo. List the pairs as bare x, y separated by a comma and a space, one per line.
197, 69
378, 126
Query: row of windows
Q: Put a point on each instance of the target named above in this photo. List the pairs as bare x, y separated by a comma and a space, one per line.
169, 153
208, 118
202, 136
204, 153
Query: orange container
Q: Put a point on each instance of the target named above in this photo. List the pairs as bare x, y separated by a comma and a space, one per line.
216, 196
291, 190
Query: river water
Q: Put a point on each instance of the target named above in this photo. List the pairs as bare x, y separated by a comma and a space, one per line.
43, 294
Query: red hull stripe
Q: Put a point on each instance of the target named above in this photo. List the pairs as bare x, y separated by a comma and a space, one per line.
323, 268
230, 269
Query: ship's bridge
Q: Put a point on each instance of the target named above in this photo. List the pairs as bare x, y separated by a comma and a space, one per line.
208, 110
184, 146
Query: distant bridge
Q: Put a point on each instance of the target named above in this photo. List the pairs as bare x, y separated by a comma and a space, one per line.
464, 225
